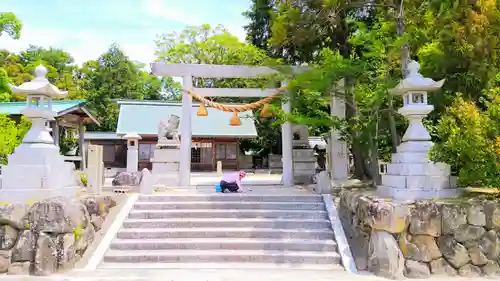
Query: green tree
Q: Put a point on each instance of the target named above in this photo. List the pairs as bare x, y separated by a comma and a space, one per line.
10, 25
471, 141
60, 65
207, 45
11, 135
456, 41
114, 76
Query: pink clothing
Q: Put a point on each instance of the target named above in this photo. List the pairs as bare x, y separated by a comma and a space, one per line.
232, 177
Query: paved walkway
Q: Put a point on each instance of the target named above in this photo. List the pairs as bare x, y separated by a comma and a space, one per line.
216, 275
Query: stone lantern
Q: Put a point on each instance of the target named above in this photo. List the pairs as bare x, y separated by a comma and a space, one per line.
132, 151
36, 170
411, 175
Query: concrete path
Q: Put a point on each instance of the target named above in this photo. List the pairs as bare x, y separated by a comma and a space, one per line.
216, 275
212, 178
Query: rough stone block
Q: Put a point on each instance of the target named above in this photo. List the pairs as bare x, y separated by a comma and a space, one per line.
19, 268
323, 186
416, 269
422, 248
453, 216
470, 271
442, 267
13, 214
66, 251
25, 248
5, 260
389, 217
455, 253
8, 237
425, 219
146, 186
384, 256
46, 256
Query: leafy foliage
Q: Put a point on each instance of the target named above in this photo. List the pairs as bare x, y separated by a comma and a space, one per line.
10, 25
114, 76
208, 45
470, 141
11, 135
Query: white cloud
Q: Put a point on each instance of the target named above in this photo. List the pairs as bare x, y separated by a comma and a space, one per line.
83, 46
138, 43
158, 8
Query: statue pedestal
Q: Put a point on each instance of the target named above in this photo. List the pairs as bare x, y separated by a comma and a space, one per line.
412, 176
165, 162
304, 165
304, 162
35, 172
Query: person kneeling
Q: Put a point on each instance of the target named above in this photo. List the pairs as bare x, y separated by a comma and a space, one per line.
232, 181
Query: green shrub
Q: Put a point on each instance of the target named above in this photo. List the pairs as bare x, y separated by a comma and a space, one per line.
470, 142
83, 178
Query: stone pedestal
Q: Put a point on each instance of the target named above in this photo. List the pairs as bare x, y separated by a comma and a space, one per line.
166, 159
411, 175
275, 164
36, 170
304, 162
304, 165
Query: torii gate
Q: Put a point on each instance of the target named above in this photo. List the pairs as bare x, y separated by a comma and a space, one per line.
188, 71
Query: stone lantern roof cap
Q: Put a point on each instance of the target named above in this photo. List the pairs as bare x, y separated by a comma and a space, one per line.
132, 136
416, 82
39, 86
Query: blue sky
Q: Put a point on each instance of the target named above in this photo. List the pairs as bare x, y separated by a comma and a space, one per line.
86, 28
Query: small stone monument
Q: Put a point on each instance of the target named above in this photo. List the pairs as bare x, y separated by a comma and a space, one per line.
36, 170
147, 181
132, 151
304, 162
166, 156
411, 175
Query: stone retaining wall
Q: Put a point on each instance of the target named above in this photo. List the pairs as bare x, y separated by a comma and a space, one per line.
50, 235
423, 238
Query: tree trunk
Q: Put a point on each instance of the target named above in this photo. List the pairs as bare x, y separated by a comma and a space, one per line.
351, 112
405, 56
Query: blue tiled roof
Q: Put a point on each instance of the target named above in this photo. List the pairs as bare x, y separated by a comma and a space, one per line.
15, 108
143, 118
101, 136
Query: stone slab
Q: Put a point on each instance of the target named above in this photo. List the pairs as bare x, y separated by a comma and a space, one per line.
416, 182
418, 169
166, 155
415, 146
403, 194
303, 153
165, 167
410, 157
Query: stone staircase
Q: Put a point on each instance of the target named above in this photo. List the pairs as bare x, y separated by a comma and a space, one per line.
209, 231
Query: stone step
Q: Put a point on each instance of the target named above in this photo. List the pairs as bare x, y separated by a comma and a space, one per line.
255, 233
241, 213
224, 244
187, 256
234, 197
228, 222
229, 205
271, 267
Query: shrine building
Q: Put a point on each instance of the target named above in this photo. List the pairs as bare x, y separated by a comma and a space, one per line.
213, 138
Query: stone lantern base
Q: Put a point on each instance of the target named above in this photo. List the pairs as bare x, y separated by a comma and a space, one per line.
36, 171
412, 176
